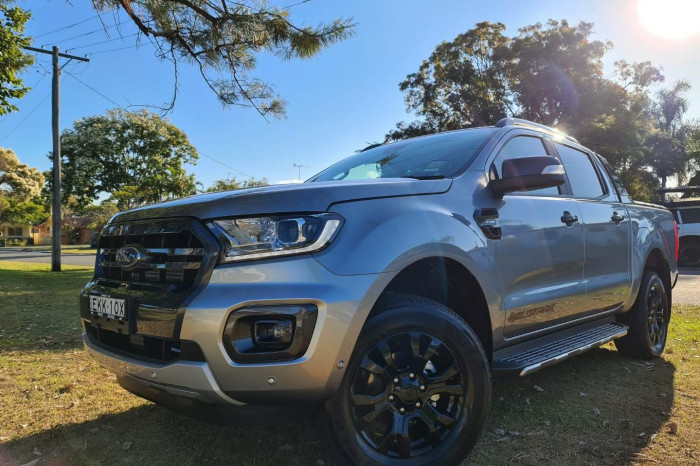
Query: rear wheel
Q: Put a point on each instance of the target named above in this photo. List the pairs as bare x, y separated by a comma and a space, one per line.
417, 389
648, 320
689, 253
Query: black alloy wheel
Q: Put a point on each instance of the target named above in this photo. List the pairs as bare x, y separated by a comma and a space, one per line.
647, 320
410, 404
656, 312
417, 389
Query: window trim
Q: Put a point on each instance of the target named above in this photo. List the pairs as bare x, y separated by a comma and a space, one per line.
596, 169
616, 182
565, 188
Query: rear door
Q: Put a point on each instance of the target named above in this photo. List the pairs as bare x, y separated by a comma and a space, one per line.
542, 249
606, 231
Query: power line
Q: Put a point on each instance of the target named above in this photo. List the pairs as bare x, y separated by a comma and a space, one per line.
70, 25
102, 29
28, 114
31, 88
102, 42
92, 89
25, 118
225, 165
113, 50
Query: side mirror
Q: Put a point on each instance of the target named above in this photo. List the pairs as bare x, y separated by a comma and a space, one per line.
528, 173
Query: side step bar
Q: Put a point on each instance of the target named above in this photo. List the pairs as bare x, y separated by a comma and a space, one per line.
531, 356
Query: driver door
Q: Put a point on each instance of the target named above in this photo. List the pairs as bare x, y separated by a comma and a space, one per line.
542, 256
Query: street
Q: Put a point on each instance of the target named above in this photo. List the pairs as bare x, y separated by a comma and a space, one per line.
45, 258
687, 290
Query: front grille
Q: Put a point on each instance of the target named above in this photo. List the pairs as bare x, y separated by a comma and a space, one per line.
172, 254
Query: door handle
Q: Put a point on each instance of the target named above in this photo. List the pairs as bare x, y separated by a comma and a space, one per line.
617, 218
568, 218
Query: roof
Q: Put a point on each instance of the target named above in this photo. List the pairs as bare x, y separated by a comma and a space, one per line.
503, 122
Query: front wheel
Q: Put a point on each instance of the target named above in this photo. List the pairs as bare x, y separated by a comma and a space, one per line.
417, 389
648, 320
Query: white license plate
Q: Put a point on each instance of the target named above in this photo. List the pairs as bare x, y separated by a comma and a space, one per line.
111, 308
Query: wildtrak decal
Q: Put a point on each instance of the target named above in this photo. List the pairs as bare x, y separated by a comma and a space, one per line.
535, 311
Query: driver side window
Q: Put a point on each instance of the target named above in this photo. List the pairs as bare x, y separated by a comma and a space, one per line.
524, 146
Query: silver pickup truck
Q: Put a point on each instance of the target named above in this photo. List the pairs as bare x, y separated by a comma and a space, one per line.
391, 287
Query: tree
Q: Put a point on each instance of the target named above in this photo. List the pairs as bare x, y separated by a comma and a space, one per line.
12, 60
135, 152
98, 215
20, 186
553, 74
669, 155
223, 38
466, 82
230, 184
556, 67
17, 180
543, 74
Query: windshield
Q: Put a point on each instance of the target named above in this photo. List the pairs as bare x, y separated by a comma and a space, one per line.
437, 156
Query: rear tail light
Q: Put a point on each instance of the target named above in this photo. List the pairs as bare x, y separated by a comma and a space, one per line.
675, 231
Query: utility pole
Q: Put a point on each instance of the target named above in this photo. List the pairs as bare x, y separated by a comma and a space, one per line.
300, 166
55, 113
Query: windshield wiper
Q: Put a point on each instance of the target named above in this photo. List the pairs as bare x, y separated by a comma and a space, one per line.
425, 177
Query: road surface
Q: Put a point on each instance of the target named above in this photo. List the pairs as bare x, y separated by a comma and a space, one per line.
687, 291
45, 258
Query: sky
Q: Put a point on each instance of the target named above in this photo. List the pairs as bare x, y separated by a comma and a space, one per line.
337, 102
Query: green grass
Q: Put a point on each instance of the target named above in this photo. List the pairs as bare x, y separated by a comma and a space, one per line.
58, 406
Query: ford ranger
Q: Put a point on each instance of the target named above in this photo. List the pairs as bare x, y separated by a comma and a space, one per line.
391, 286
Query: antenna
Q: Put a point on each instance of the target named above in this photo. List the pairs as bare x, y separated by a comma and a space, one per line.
300, 166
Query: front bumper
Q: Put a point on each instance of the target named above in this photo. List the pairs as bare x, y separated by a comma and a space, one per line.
187, 380
343, 303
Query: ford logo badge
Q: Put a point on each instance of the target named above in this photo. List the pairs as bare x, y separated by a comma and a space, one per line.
128, 257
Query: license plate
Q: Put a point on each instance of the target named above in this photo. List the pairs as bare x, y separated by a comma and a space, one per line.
112, 308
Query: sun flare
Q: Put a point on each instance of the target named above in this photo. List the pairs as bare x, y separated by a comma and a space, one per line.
670, 19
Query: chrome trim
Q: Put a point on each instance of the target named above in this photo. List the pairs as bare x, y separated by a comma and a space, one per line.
166, 251
162, 266
535, 367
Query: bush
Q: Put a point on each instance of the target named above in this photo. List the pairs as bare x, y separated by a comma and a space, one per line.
16, 242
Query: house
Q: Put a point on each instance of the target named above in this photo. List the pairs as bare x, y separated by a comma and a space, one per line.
15, 233
73, 231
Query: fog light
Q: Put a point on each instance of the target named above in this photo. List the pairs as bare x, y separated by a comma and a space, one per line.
274, 333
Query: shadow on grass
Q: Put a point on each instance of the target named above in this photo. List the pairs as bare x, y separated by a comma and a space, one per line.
154, 435
598, 408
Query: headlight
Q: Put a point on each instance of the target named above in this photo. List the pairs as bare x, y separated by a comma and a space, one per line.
262, 237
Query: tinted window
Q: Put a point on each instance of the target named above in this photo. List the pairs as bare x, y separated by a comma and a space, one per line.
583, 178
615, 179
690, 215
524, 146
437, 156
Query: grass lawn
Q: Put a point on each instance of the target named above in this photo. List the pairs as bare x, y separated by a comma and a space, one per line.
59, 407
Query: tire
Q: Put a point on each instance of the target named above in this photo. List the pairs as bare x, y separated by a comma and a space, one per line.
648, 320
689, 253
417, 389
